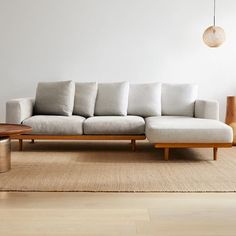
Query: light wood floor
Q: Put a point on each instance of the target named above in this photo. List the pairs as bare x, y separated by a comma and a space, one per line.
117, 214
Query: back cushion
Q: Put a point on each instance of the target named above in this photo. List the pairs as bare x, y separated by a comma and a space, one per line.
145, 99
178, 99
55, 98
85, 98
112, 99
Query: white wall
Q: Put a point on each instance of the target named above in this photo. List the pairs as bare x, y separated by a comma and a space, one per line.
112, 40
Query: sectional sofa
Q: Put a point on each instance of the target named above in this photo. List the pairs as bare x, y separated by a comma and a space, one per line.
167, 115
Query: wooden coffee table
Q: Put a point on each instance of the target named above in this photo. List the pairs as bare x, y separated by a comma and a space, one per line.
6, 131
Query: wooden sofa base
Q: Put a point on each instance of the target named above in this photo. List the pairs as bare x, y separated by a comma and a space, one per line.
32, 137
215, 147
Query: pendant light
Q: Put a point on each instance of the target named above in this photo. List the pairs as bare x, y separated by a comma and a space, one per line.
214, 35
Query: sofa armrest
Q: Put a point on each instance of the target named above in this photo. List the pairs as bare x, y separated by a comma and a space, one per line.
207, 109
18, 110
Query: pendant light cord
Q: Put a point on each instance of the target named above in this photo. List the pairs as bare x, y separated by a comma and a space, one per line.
214, 20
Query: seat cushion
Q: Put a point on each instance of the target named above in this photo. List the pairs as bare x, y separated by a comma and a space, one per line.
112, 99
177, 129
178, 99
145, 99
85, 98
55, 98
114, 125
56, 125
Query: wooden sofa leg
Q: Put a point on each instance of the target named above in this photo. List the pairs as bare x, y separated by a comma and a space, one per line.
32, 140
215, 150
166, 154
20, 145
133, 145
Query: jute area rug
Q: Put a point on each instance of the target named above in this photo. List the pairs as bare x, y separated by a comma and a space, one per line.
113, 167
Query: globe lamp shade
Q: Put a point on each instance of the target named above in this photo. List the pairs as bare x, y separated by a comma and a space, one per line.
214, 36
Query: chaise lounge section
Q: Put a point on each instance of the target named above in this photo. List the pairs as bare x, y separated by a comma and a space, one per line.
167, 115
185, 132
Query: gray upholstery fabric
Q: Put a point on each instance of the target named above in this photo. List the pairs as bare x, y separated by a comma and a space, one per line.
55, 98
85, 98
112, 99
207, 109
19, 109
145, 99
179, 129
114, 125
55, 125
178, 99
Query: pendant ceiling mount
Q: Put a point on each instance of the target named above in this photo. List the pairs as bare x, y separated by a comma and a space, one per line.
214, 36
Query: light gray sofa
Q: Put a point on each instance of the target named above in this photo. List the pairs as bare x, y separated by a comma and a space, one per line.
168, 115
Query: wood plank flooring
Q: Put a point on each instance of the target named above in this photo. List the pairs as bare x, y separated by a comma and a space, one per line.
142, 214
